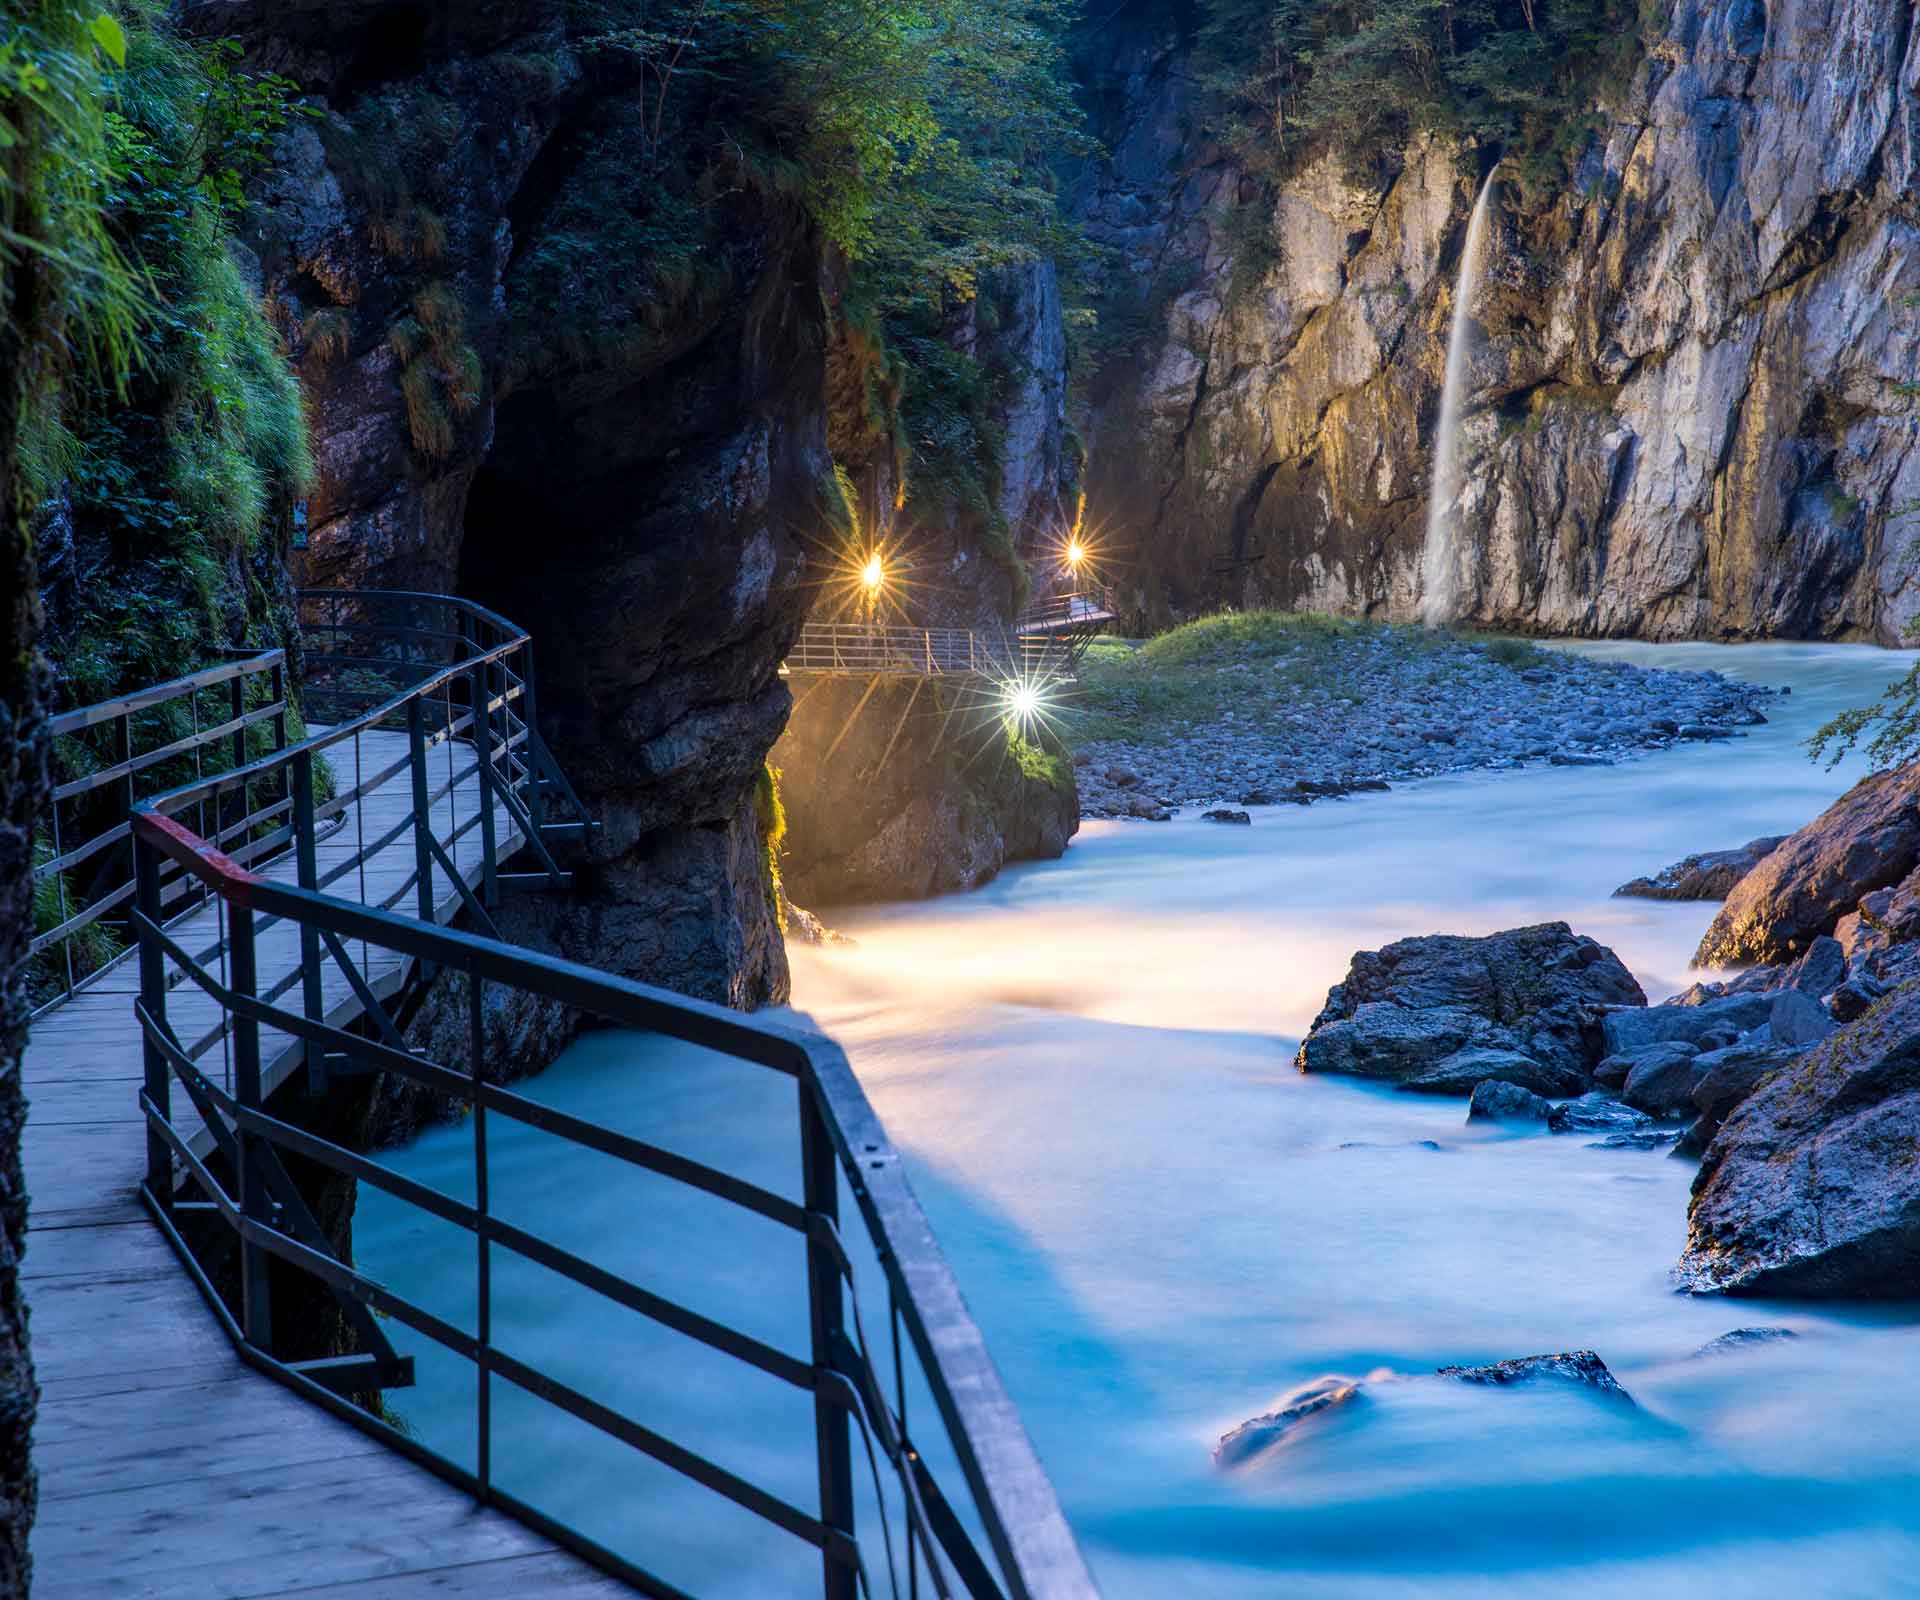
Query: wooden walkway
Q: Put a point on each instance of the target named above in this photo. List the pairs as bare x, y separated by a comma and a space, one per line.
169, 1468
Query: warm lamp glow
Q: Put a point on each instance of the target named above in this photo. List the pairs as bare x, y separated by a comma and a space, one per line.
1024, 701
873, 574
1076, 553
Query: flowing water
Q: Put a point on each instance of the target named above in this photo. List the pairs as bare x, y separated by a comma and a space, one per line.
1161, 1226
1440, 556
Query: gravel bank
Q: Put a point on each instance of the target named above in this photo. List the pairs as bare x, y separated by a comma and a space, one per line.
1265, 709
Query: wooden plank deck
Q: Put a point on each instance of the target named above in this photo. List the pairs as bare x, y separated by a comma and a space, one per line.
167, 1466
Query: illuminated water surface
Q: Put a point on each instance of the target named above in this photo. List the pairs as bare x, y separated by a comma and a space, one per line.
1161, 1226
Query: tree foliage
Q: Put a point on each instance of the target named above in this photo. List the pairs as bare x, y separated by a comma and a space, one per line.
1362, 75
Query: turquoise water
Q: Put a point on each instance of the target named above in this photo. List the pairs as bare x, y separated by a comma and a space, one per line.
1161, 1226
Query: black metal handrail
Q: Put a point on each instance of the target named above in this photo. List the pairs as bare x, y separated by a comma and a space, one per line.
841, 1148
88, 820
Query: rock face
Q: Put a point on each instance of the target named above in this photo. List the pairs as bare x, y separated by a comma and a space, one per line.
1868, 839
1684, 422
911, 790
1446, 1012
1711, 875
1810, 1187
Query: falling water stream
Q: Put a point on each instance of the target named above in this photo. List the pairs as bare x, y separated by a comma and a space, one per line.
1440, 558
1161, 1226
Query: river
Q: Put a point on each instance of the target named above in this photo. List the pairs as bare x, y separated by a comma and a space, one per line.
1161, 1226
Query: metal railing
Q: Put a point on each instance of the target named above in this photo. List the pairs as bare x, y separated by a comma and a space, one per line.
848, 648
1090, 605
841, 1150
85, 867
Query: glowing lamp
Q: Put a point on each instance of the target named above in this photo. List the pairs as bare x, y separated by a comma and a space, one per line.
1076, 553
1023, 700
872, 575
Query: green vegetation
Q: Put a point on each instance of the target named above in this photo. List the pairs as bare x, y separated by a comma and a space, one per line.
771, 817
178, 466
1034, 758
1259, 664
1360, 76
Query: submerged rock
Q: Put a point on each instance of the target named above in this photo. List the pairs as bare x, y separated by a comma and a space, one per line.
1743, 1339
1222, 814
1574, 1366
1867, 839
1259, 1434
1507, 1102
1812, 1186
1522, 1006
1711, 875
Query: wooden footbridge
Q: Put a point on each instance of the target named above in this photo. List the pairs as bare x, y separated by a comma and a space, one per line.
1046, 643
288, 914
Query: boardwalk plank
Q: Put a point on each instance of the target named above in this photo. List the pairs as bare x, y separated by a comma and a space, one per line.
168, 1467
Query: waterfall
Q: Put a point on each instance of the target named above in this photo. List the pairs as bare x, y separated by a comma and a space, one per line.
1440, 560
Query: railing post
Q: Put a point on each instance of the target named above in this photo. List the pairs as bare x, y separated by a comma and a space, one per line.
307, 868
827, 1313
256, 1307
482, 696
422, 811
278, 684
153, 997
536, 812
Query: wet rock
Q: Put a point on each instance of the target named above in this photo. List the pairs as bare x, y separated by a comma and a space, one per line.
1466, 1071
1710, 875
1496, 1101
1574, 1366
1537, 993
1868, 839
1821, 970
1598, 1113
1723, 1078
1221, 814
1743, 1339
1853, 998
1812, 1186
1662, 1087
1260, 1434
1798, 1019
1568, 758
1637, 1139
1614, 1071
1688, 1024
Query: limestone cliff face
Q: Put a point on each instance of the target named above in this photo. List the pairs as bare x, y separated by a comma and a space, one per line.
1686, 417
644, 509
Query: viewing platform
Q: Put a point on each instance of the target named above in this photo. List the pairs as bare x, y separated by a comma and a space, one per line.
1046, 642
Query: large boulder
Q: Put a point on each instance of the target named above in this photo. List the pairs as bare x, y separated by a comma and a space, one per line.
1812, 1186
1495, 1101
1526, 995
1868, 839
1711, 875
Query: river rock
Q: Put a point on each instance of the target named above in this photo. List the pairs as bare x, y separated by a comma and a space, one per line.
1689, 1024
1222, 814
1614, 1071
1797, 1019
1465, 1070
1723, 1078
1496, 1101
1743, 1339
1597, 1113
1574, 1366
1536, 993
1821, 970
1661, 1087
1867, 839
1853, 998
1259, 1434
1812, 1186
1710, 875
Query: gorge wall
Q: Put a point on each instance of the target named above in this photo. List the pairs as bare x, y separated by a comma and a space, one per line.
1686, 415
